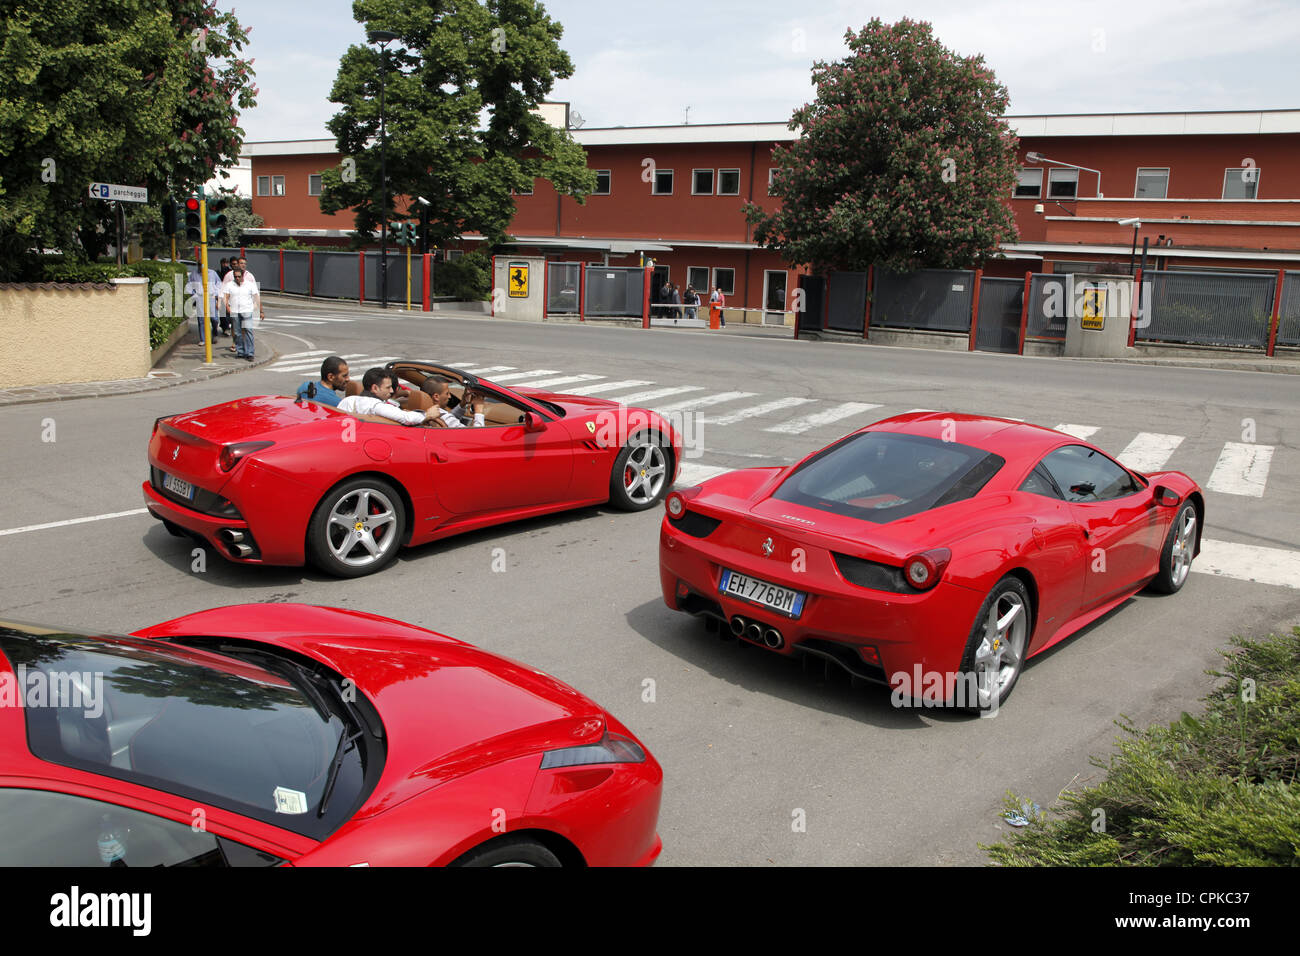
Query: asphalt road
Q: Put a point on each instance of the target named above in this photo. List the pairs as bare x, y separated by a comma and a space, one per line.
752, 743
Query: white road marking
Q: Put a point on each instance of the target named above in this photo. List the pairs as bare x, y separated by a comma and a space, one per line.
301, 355
1149, 451
753, 411
285, 364
488, 369
562, 380
1242, 469
797, 426
640, 398
693, 474
1081, 432
289, 335
1248, 562
63, 524
703, 401
520, 376
290, 322
608, 387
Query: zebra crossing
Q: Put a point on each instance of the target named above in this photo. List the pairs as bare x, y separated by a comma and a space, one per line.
1241, 468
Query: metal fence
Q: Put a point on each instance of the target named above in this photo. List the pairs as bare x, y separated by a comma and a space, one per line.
396, 277
297, 272
1288, 320
1207, 308
929, 299
265, 266
335, 275
1048, 304
563, 280
846, 308
615, 290
998, 329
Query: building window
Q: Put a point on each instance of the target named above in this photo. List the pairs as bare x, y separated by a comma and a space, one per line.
1152, 183
697, 277
701, 182
313, 184
1241, 183
1029, 184
264, 185
725, 279
277, 185
728, 182
1062, 183
663, 184
453, 254
771, 178
602, 182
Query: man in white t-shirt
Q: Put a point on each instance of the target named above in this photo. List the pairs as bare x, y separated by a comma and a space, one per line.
377, 389
242, 297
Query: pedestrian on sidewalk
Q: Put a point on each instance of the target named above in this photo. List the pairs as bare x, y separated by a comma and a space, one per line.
675, 297
691, 300
242, 299
223, 273
717, 302
194, 298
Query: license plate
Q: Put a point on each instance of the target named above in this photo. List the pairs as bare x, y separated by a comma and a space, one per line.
782, 600
178, 487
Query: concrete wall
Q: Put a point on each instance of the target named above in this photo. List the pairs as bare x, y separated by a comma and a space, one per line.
530, 307
52, 333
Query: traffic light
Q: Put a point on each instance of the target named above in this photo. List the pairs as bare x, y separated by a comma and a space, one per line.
193, 225
178, 218
216, 220
169, 217
403, 233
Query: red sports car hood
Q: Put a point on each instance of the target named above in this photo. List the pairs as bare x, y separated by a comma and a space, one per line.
744, 499
448, 707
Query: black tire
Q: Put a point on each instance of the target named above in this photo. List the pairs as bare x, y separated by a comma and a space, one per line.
1005, 595
510, 851
651, 462
1173, 571
328, 542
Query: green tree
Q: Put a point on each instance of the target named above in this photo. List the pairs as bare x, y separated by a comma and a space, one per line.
462, 81
140, 92
904, 160
239, 216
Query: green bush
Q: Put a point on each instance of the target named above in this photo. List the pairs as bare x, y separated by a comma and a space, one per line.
467, 279
1218, 790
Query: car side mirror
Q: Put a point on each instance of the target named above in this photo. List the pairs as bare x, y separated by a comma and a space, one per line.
1165, 497
533, 422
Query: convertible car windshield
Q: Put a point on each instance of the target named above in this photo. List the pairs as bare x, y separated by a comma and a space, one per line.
249, 730
883, 476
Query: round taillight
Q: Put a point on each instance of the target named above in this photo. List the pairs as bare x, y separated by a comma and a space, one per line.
918, 572
675, 505
924, 570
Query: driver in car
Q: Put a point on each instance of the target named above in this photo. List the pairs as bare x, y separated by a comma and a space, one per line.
440, 391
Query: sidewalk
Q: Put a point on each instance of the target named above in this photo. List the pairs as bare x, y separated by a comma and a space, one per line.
183, 365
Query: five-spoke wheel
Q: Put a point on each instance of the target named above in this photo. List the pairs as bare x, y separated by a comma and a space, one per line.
640, 477
357, 528
995, 651
1179, 549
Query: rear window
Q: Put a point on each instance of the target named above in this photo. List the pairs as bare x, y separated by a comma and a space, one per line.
882, 476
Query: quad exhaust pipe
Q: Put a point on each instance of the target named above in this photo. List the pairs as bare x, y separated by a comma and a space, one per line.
754, 631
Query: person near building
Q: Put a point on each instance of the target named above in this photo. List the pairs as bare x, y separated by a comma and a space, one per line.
242, 299
717, 302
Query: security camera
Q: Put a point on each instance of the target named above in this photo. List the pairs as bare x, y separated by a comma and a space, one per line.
1130, 222
1039, 208
1032, 157
422, 201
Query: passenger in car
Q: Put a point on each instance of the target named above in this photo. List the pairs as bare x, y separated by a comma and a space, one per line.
333, 379
440, 391
377, 388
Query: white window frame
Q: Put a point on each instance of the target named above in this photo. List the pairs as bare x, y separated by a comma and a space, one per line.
264, 185
1137, 179
609, 182
1259, 172
771, 175
451, 255
717, 182
713, 182
654, 182
1063, 176
716, 283
277, 185
1015, 190
319, 184
702, 291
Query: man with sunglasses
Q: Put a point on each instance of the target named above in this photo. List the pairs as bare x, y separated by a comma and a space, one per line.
241, 298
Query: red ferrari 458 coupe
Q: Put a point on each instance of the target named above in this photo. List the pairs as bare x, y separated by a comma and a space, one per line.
270, 734
932, 552
275, 480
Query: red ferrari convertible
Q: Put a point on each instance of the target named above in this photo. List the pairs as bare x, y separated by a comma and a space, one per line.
270, 734
274, 480
932, 552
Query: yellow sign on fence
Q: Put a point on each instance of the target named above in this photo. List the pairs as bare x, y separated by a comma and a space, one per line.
518, 283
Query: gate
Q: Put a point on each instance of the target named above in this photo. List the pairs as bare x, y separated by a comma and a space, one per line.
614, 290
937, 299
1207, 308
1048, 297
847, 301
1288, 320
562, 282
998, 329
809, 318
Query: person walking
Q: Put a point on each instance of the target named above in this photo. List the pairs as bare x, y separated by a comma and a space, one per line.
194, 297
717, 302
691, 300
675, 298
223, 273
242, 298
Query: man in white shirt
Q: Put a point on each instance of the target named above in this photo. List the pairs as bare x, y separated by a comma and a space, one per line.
242, 298
194, 297
377, 388
440, 391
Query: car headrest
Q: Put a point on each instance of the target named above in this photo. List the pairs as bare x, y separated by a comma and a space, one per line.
353, 388
418, 402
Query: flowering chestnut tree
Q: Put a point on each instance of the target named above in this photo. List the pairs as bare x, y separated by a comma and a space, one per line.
903, 161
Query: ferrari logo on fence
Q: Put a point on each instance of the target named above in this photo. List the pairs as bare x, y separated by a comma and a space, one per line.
518, 280
1093, 316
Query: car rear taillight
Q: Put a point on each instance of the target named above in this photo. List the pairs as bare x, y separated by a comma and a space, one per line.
675, 505
232, 455
923, 570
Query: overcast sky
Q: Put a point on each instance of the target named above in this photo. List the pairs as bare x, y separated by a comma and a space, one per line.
639, 63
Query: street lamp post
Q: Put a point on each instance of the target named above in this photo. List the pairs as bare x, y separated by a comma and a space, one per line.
383, 38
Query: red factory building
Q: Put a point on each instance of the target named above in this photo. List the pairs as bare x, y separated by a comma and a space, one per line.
1212, 190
